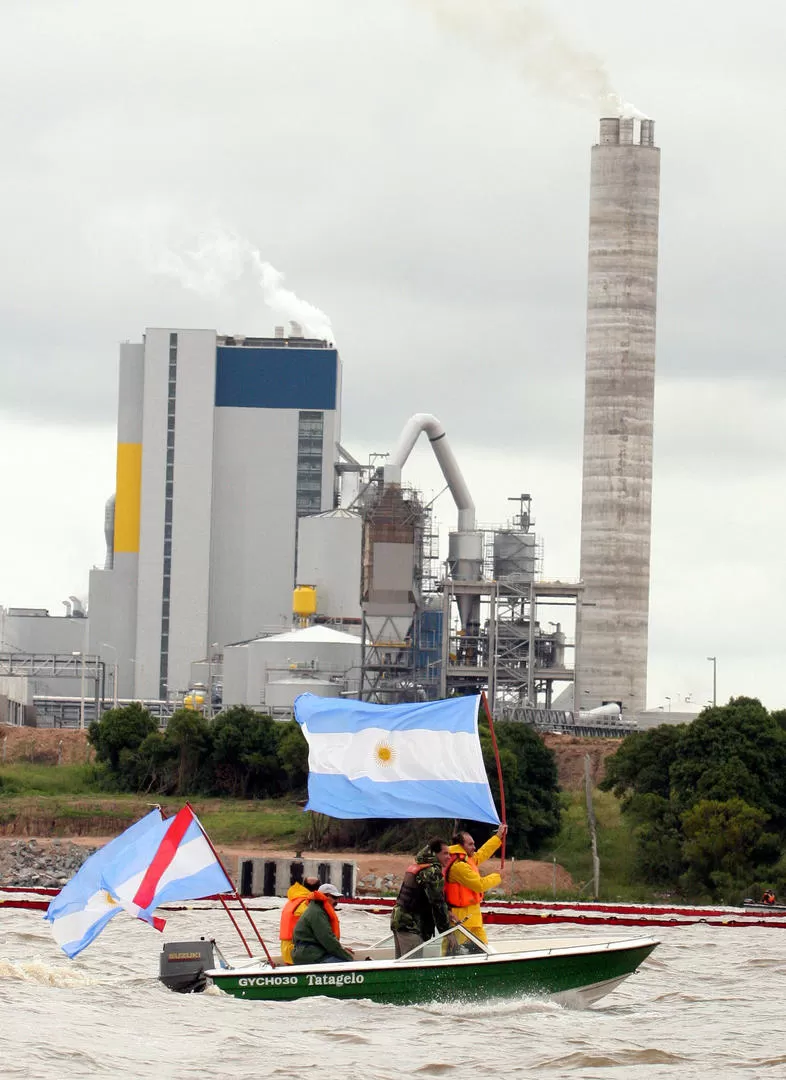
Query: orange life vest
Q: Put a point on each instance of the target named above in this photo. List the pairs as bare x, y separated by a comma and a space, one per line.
287, 926
288, 920
456, 894
330, 911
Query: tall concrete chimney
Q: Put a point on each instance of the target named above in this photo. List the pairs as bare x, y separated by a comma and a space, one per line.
616, 506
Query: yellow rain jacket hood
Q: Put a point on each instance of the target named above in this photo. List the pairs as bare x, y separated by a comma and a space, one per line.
294, 893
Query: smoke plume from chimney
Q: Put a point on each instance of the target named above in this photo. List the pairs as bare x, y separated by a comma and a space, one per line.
527, 36
221, 257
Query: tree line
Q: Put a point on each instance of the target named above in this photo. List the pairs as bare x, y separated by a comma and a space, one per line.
707, 801
244, 754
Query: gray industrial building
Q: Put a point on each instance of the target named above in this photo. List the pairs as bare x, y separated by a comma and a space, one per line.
618, 416
232, 489
224, 442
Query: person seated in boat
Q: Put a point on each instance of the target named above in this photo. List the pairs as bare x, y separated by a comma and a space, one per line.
768, 897
298, 896
420, 906
317, 931
464, 884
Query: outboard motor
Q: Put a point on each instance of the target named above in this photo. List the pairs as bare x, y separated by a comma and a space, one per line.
183, 964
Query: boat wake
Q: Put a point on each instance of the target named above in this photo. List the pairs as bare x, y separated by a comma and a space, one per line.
44, 975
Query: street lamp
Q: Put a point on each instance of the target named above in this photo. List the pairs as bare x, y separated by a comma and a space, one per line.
141, 667
669, 701
115, 671
714, 661
81, 655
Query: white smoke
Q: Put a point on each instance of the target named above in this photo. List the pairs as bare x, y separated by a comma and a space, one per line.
526, 35
220, 258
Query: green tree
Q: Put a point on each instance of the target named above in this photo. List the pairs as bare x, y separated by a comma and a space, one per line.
733, 751
724, 843
121, 730
529, 773
659, 857
293, 755
245, 754
188, 734
643, 763
733, 757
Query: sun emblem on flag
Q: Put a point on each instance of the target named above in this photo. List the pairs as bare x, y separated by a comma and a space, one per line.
384, 753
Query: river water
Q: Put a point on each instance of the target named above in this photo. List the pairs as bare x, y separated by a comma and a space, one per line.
710, 1002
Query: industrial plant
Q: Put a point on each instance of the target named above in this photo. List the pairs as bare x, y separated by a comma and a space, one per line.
251, 558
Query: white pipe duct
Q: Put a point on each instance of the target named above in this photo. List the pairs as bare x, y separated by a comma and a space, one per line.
447, 463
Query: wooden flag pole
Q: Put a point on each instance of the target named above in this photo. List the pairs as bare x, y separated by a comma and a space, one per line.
499, 774
237, 897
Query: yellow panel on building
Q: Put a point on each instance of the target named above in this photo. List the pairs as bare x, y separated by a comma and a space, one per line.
128, 497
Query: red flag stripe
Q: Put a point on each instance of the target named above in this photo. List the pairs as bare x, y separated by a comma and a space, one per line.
163, 857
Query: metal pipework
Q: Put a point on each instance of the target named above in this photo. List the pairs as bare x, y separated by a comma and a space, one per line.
447, 463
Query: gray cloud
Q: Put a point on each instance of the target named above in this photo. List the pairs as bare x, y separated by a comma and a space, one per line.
434, 205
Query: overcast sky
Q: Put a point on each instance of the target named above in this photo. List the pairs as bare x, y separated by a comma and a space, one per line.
427, 188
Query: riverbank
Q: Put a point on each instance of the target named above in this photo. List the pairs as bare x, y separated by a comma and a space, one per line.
49, 863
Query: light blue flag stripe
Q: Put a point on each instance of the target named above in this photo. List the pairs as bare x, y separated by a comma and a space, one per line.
326, 715
208, 882
338, 796
87, 880
73, 948
74, 896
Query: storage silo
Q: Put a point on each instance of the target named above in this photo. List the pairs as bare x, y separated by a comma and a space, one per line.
329, 559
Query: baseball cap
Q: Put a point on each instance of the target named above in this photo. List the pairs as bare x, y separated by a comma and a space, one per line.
329, 890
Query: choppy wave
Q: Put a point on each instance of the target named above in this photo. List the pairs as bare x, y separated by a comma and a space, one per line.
696, 1011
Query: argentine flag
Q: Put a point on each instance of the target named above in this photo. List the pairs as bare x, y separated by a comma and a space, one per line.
83, 907
418, 760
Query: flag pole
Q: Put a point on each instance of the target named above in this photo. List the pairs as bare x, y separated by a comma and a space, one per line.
237, 896
499, 773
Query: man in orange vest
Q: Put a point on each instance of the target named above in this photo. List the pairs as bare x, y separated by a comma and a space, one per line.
297, 897
317, 931
464, 884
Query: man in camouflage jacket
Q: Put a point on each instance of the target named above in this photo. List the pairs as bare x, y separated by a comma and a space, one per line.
420, 907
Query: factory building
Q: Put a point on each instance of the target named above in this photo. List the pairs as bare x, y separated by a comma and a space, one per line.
224, 443
618, 416
270, 672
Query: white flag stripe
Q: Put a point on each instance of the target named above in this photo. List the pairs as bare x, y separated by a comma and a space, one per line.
73, 927
386, 756
189, 859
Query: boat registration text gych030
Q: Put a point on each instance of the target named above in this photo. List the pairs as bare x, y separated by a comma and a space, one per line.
295, 980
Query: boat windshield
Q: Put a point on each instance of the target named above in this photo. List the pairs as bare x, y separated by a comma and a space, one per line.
453, 943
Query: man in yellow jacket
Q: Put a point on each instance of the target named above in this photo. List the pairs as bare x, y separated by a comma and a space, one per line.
465, 885
298, 897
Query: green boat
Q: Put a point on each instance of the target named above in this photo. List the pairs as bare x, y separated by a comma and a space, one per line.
450, 967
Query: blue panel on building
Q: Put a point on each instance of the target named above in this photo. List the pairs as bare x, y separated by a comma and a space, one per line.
248, 378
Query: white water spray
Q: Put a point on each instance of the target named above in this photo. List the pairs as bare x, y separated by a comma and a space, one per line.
527, 35
220, 257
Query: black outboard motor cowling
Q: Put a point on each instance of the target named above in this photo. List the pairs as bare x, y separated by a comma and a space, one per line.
183, 964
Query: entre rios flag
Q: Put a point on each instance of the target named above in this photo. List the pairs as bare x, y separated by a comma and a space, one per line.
154, 861
418, 760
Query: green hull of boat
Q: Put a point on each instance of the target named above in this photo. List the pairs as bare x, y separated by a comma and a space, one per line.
472, 979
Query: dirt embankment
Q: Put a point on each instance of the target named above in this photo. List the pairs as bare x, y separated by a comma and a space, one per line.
570, 751
47, 746
43, 746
